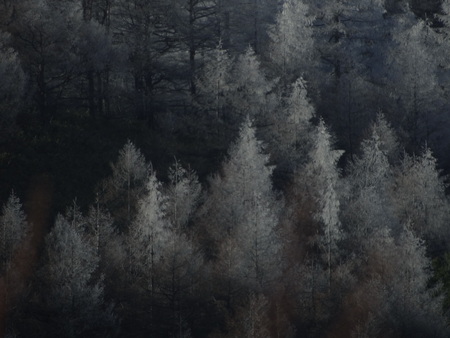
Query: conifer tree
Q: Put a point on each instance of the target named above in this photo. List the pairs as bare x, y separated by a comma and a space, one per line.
122, 189
71, 293
244, 207
183, 194
420, 196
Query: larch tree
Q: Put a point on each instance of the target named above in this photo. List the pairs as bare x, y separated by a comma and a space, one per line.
214, 82
148, 233
251, 90
123, 188
183, 194
368, 203
420, 197
413, 78
72, 295
292, 45
323, 176
291, 128
243, 206
13, 229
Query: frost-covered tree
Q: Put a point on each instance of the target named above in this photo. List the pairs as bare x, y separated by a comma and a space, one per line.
413, 81
395, 295
215, 82
371, 169
251, 88
71, 294
103, 236
292, 47
419, 196
290, 132
183, 194
242, 205
13, 227
323, 174
368, 204
122, 189
148, 233
389, 141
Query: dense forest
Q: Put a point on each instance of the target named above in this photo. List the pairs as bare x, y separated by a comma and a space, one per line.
224, 168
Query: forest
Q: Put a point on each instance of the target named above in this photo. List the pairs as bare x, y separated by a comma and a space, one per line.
224, 168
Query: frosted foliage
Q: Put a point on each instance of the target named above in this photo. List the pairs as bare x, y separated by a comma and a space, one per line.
414, 81
76, 219
70, 259
13, 228
243, 211
215, 82
292, 124
250, 85
125, 185
183, 194
420, 195
389, 144
149, 231
245, 173
292, 42
323, 170
368, 212
259, 244
68, 275
100, 227
129, 167
371, 168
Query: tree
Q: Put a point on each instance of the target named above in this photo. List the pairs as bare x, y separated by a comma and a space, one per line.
183, 194
292, 44
215, 82
368, 206
149, 233
420, 196
126, 183
251, 90
13, 229
323, 174
290, 133
413, 80
71, 294
243, 207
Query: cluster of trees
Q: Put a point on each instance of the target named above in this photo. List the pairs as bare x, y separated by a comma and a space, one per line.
296, 232
344, 255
